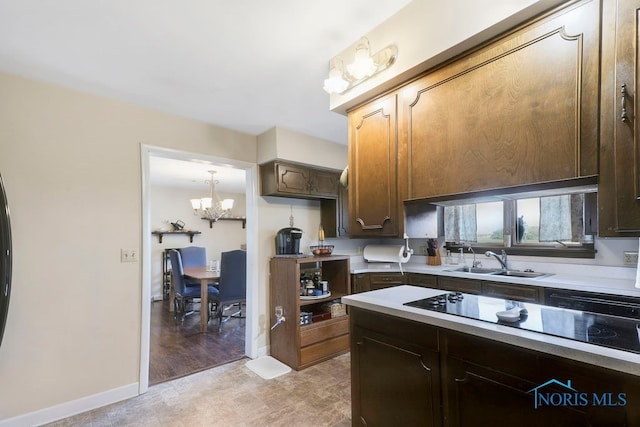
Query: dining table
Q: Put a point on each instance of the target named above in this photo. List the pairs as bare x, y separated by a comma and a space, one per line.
205, 276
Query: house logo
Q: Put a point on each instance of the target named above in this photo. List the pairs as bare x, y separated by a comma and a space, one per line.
564, 394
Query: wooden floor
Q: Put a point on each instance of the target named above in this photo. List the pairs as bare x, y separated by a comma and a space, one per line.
178, 349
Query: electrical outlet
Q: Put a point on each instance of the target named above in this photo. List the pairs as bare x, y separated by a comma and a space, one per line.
279, 311
630, 258
128, 255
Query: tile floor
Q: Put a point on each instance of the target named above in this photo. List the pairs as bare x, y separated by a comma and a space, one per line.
233, 395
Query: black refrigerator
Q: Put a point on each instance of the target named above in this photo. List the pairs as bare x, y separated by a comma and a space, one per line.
5, 260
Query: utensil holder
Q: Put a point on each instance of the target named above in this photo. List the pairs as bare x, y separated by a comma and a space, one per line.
434, 260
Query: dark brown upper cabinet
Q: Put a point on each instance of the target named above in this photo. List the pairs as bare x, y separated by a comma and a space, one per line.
619, 188
334, 214
299, 181
374, 203
284, 179
521, 109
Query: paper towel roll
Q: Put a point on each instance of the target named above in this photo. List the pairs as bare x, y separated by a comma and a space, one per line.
385, 253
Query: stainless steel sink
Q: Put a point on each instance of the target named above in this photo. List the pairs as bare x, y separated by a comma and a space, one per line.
526, 274
500, 272
477, 270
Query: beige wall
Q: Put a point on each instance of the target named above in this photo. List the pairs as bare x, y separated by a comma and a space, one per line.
284, 144
72, 170
71, 166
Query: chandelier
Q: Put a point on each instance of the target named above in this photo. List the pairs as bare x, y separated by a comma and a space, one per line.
212, 208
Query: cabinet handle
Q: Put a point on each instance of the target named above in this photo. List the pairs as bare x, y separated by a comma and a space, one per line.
373, 227
466, 379
623, 91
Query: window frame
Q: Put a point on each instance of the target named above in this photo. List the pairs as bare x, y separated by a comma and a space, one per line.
584, 250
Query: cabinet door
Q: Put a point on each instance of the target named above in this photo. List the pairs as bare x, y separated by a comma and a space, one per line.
292, 179
395, 381
620, 177
323, 183
482, 396
334, 214
373, 180
342, 212
521, 110
360, 282
487, 382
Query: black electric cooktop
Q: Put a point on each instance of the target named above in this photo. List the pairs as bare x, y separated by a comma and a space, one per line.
600, 329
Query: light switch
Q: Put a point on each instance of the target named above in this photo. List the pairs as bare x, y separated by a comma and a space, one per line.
128, 255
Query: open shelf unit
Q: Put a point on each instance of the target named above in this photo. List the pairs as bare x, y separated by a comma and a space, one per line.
300, 346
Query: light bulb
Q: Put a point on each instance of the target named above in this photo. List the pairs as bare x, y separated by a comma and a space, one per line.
363, 65
336, 82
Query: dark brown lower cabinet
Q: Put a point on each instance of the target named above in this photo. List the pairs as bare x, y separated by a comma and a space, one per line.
424, 280
395, 372
410, 373
513, 292
360, 282
456, 284
385, 280
363, 282
489, 383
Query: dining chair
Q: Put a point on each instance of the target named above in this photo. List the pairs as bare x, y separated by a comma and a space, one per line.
232, 284
194, 256
184, 294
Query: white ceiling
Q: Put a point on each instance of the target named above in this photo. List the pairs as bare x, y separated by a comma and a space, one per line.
191, 175
245, 65
195, 175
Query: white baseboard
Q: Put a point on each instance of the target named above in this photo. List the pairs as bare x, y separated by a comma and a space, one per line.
71, 408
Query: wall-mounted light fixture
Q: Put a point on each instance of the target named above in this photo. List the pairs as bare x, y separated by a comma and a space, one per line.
364, 66
211, 208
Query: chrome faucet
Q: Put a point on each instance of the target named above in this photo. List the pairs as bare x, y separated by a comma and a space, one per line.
502, 260
475, 263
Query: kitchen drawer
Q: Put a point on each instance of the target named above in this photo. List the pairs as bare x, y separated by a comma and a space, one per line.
514, 292
424, 280
454, 284
323, 350
321, 331
385, 280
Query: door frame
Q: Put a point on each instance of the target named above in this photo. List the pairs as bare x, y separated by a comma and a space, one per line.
251, 193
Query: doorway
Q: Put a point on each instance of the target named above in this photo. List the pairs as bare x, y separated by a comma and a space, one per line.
178, 348
148, 258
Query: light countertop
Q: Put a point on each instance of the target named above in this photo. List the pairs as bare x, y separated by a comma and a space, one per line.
609, 280
390, 301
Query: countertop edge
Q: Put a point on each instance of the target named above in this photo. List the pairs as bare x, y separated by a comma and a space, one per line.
605, 285
390, 301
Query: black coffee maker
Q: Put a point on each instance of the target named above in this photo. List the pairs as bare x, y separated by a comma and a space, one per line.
288, 241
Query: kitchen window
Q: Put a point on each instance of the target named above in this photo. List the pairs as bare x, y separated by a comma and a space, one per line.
546, 225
